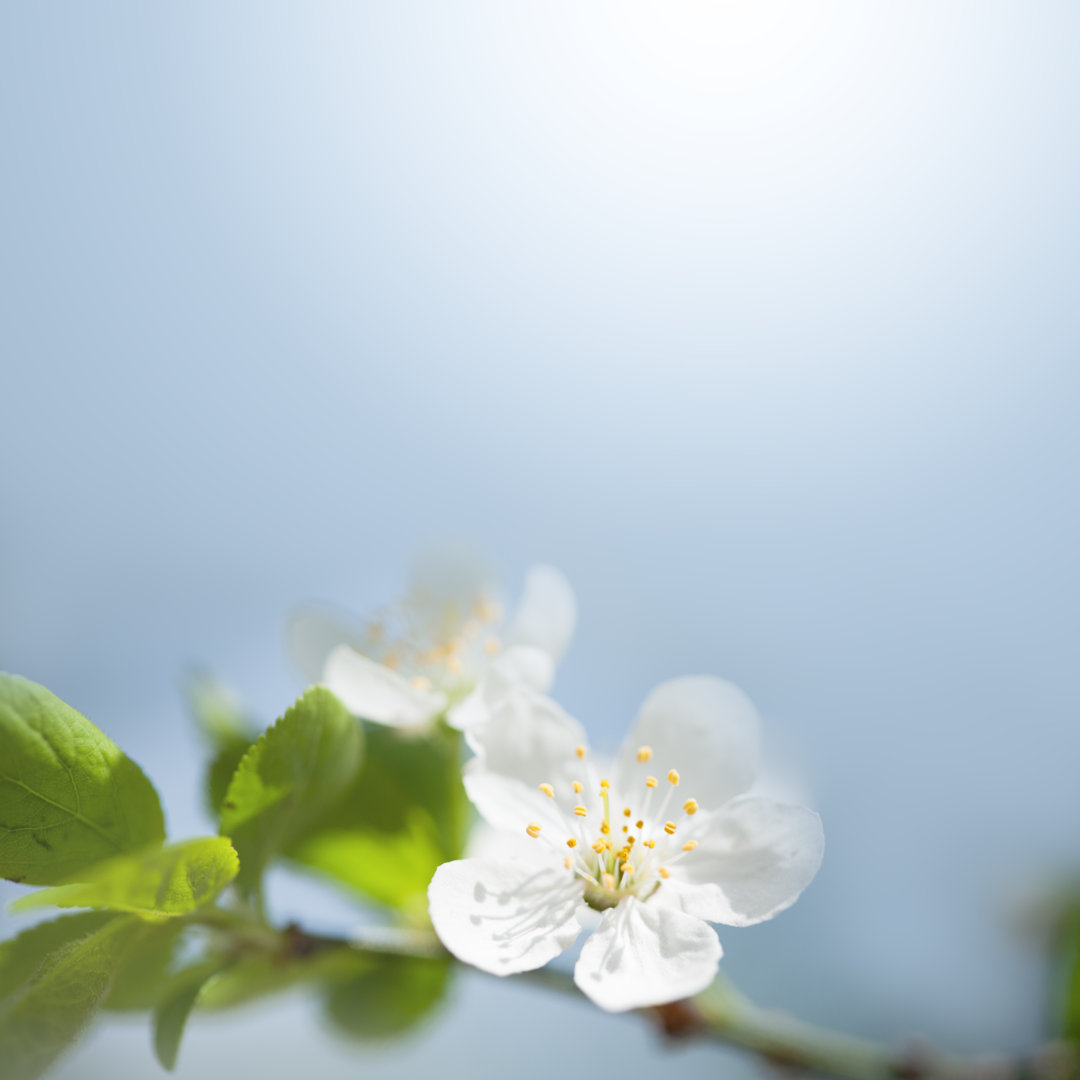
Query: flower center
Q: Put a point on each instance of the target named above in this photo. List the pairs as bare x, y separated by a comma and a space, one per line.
620, 847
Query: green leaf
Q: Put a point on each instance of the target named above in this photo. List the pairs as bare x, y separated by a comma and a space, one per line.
171, 1015
173, 881
69, 797
50, 1011
288, 778
143, 976
20, 957
396, 994
404, 815
1070, 977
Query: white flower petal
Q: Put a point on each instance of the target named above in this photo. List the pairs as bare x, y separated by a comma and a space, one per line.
546, 613
522, 665
312, 634
643, 954
506, 915
754, 857
705, 728
371, 690
529, 741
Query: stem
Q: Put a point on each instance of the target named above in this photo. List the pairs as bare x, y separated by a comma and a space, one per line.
721, 1014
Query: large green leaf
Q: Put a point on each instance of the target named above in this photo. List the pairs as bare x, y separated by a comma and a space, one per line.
396, 994
52, 1008
139, 977
21, 956
170, 881
69, 797
404, 814
287, 780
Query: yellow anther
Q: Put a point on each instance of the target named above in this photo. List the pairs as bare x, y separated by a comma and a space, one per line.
690, 806
604, 784
578, 787
627, 868
453, 665
626, 811
492, 646
689, 845
599, 847
580, 751
622, 853
567, 863
639, 824
608, 880
630, 841
421, 682
673, 776
605, 827
533, 829
580, 811
669, 828
571, 842
548, 790
391, 660
626, 828
650, 781
644, 753
607, 845
649, 843
664, 872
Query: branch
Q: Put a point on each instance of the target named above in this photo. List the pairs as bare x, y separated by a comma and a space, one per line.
720, 1014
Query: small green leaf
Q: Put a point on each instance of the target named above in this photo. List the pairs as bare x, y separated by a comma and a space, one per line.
51, 1010
222, 768
173, 881
404, 815
218, 711
288, 778
20, 957
394, 996
171, 1015
69, 797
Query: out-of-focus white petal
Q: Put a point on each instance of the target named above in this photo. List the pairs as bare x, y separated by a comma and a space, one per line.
705, 728
373, 691
521, 665
643, 954
528, 741
546, 613
311, 635
754, 857
505, 915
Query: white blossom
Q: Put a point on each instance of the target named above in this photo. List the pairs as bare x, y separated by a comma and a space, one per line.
446, 648
663, 842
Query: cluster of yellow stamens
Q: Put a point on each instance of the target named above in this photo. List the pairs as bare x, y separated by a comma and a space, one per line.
610, 870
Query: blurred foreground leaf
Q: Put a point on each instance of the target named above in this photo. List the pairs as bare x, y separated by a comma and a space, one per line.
69, 797
177, 1001
396, 994
70, 984
286, 781
171, 881
404, 814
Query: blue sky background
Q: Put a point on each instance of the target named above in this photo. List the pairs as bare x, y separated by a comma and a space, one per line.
759, 319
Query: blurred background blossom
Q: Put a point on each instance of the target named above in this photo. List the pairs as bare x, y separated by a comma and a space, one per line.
757, 319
